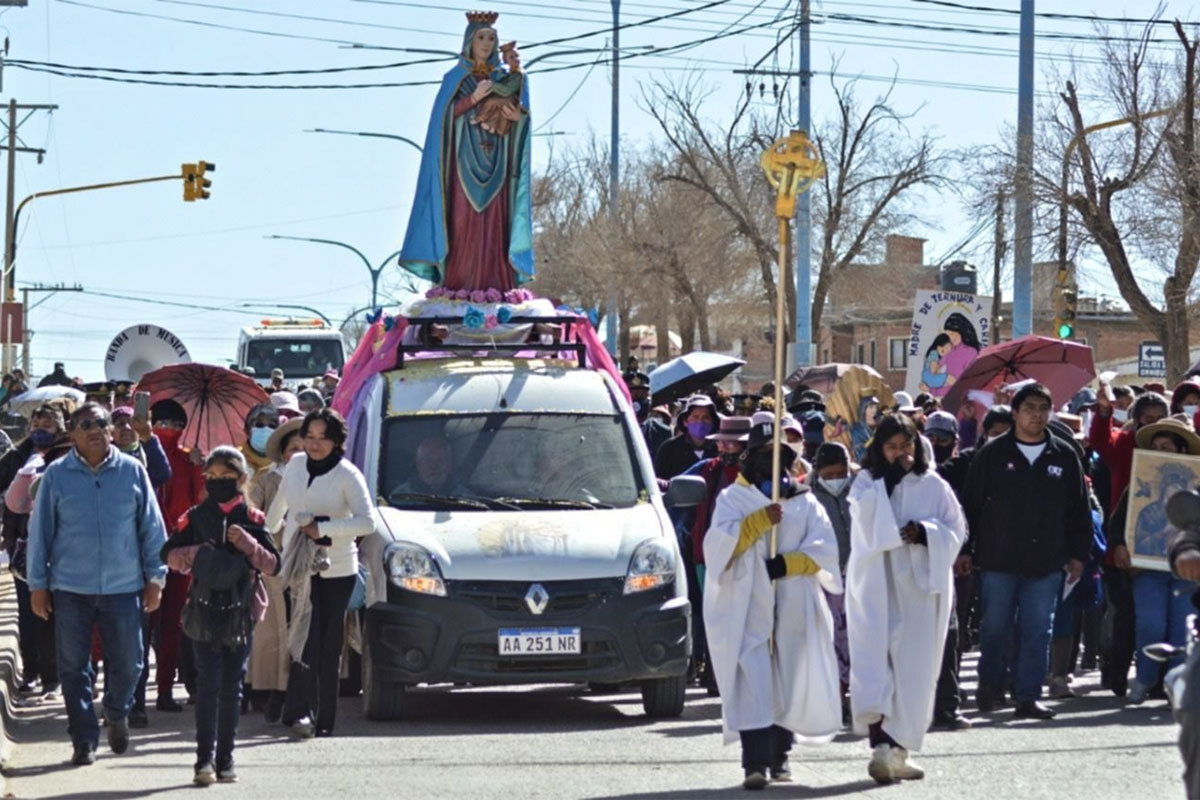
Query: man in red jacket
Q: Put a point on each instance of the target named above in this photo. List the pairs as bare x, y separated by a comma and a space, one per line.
1115, 443
184, 490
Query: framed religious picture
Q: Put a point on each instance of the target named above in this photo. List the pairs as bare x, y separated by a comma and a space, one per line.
1156, 478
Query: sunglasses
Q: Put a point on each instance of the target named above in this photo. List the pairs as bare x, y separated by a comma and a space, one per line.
88, 424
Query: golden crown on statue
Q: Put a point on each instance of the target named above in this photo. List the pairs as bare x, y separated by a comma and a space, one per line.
486, 17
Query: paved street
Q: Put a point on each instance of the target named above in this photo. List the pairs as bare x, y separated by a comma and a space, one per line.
559, 742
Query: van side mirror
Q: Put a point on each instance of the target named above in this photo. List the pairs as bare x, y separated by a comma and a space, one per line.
686, 491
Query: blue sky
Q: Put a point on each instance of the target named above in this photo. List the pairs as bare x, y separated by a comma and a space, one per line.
273, 178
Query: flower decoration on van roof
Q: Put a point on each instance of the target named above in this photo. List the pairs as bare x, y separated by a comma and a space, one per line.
474, 318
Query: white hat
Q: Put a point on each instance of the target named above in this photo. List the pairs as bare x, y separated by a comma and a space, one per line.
903, 399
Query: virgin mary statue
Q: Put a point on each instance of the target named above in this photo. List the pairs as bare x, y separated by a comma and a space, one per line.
470, 225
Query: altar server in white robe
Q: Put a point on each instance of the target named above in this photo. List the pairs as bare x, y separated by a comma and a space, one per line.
769, 696
905, 532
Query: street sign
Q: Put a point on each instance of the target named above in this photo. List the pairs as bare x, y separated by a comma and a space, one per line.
1152, 362
12, 323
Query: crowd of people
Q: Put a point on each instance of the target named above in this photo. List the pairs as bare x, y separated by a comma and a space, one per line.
1000, 528
235, 567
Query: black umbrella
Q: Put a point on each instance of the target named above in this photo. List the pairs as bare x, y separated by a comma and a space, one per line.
687, 374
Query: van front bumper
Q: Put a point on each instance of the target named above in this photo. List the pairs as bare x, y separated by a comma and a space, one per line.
416, 638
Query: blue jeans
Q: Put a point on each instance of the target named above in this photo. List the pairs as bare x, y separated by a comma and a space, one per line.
219, 676
119, 617
1003, 596
1161, 604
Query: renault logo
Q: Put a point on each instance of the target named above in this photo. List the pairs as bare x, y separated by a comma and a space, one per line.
537, 598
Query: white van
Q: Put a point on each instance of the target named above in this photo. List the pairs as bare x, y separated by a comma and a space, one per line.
524, 538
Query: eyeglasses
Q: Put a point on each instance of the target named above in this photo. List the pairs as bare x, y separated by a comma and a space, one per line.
88, 424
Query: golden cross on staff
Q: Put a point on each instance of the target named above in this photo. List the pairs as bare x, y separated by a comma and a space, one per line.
792, 167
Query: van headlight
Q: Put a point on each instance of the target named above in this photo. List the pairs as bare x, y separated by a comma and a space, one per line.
652, 566
411, 567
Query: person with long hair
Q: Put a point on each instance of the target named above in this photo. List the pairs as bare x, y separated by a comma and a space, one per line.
906, 529
964, 347
330, 506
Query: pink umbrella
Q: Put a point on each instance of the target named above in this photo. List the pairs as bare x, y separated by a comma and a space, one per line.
1062, 367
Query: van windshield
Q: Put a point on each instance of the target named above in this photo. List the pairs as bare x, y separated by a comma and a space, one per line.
509, 461
298, 358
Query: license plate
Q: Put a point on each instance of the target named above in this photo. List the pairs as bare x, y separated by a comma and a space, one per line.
539, 641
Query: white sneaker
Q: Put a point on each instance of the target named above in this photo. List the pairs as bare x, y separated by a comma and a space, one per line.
880, 767
304, 728
1137, 693
903, 769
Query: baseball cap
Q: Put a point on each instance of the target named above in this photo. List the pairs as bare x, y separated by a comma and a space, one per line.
941, 422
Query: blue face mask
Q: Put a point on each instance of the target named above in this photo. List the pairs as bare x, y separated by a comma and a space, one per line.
259, 438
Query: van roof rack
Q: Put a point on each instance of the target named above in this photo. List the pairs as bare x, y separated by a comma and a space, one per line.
497, 350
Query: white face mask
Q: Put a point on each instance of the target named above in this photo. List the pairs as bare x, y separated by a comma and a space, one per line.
833, 485
1120, 415
1191, 410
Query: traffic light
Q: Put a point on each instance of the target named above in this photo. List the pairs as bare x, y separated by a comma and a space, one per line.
1064, 305
201, 183
189, 182
195, 186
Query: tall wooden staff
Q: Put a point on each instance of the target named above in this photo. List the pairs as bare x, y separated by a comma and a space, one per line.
792, 166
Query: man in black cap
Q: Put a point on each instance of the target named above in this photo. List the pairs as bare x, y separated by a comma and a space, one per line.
639, 392
58, 377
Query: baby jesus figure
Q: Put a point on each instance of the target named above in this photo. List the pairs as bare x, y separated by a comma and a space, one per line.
498, 111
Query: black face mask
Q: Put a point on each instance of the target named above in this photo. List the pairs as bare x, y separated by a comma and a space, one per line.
730, 459
221, 490
943, 452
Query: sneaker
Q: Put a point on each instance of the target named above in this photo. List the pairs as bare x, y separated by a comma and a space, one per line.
118, 735
227, 774
166, 702
1032, 709
1060, 689
880, 767
138, 718
950, 721
83, 755
303, 728
205, 775
1137, 693
52, 695
754, 780
28, 687
781, 773
902, 768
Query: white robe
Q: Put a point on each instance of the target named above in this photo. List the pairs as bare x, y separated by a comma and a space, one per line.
796, 685
898, 601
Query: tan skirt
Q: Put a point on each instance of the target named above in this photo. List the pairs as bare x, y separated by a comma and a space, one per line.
269, 660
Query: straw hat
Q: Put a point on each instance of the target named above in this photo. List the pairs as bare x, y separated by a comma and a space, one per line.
275, 443
1177, 425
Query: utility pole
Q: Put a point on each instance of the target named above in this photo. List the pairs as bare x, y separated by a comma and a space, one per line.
802, 356
25, 290
10, 227
997, 262
614, 168
1022, 321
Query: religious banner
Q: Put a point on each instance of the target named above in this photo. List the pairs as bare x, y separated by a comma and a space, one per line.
948, 331
1156, 478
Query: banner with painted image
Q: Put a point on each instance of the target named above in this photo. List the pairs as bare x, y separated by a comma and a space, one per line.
948, 331
1157, 477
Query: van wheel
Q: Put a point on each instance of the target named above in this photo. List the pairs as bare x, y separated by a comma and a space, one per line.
382, 700
663, 697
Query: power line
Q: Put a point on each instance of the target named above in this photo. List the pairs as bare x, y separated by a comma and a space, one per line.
1049, 14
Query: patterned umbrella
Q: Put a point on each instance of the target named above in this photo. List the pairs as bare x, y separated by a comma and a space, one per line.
28, 402
216, 400
1062, 367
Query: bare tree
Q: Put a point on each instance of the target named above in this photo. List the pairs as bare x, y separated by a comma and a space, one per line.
1136, 190
873, 167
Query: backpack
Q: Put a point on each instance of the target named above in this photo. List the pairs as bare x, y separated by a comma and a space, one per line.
218, 608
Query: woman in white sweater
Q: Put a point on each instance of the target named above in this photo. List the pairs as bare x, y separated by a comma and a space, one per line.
327, 493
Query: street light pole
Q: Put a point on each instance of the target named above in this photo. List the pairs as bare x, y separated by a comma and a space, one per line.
614, 165
375, 271
396, 136
1022, 317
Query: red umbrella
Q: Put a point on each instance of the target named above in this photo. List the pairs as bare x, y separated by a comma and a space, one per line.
216, 400
1062, 367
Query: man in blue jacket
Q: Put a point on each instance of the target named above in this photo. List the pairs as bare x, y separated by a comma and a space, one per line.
94, 541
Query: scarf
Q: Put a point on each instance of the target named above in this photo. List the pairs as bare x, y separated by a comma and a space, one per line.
317, 468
